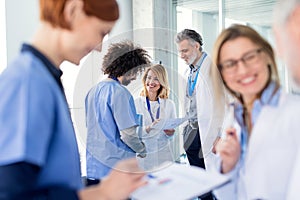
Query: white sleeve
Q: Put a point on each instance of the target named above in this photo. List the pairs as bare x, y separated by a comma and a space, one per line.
230, 190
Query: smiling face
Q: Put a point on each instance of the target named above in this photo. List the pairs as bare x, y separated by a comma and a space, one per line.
188, 51
152, 83
248, 80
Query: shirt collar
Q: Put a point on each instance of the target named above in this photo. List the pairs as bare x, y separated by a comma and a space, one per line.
54, 71
194, 68
269, 97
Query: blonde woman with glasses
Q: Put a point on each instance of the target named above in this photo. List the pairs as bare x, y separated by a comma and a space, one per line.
246, 63
154, 104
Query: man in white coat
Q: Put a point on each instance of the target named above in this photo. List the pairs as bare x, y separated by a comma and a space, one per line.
205, 118
287, 32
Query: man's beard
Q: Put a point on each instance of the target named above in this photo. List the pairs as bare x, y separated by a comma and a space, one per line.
192, 59
125, 81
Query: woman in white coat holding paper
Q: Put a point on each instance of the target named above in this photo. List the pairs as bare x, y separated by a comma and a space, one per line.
153, 104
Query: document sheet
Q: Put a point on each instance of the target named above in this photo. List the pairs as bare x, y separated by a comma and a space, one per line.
179, 182
164, 124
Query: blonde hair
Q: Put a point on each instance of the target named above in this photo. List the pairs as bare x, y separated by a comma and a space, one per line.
237, 31
162, 77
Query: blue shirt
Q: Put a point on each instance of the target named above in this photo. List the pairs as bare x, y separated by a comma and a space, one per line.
268, 97
109, 109
35, 122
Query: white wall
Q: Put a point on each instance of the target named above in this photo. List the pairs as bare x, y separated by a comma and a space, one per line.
3, 56
22, 17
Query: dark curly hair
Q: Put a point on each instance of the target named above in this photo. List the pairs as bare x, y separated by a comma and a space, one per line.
124, 57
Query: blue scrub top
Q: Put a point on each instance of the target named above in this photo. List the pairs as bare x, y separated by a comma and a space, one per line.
109, 109
35, 122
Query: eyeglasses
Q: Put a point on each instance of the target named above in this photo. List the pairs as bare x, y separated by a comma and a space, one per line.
230, 66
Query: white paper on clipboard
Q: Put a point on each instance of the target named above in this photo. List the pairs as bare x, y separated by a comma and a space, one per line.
178, 182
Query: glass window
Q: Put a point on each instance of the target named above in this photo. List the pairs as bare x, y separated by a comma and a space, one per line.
203, 16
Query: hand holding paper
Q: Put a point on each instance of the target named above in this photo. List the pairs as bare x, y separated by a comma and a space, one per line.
167, 124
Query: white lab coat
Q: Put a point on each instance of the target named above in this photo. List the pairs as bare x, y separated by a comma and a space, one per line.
294, 182
270, 170
210, 117
272, 152
159, 146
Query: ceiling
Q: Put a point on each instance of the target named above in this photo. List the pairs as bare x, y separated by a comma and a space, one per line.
258, 12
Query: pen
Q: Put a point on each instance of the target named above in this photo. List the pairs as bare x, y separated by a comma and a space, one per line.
158, 181
231, 117
151, 176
